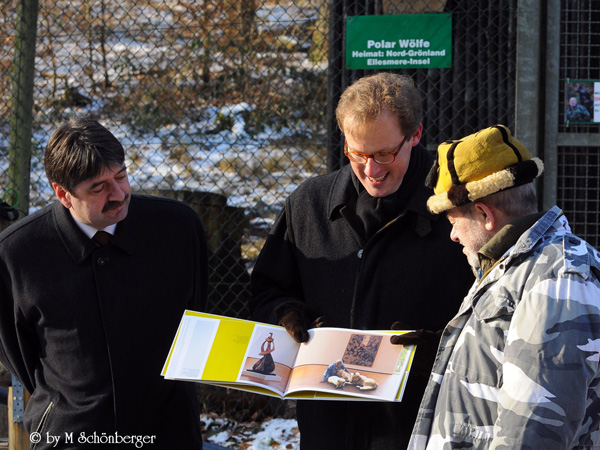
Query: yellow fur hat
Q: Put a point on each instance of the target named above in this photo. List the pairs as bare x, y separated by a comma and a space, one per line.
480, 164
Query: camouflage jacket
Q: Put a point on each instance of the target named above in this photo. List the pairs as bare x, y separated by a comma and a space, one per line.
518, 366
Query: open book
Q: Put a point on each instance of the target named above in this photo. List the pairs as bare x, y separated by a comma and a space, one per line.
335, 363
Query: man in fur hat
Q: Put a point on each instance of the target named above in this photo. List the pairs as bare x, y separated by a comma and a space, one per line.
518, 366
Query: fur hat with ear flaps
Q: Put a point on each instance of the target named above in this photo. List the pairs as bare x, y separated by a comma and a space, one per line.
480, 164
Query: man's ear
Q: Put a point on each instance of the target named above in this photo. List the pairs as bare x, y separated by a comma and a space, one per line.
416, 137
63, 195
484, 213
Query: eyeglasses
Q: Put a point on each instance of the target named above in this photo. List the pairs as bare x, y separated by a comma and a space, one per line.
379, 158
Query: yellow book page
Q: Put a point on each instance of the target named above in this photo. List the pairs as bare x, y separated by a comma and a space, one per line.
229, 348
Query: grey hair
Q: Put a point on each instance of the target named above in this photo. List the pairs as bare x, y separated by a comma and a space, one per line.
514, 202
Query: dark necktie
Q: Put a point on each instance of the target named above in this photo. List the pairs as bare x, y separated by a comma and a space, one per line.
102, 238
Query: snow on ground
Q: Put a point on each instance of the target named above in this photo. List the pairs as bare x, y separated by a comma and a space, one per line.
228, 162
271, 434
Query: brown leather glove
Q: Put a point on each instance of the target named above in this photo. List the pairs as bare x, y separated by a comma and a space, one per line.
295, 317
427, 343
295, 324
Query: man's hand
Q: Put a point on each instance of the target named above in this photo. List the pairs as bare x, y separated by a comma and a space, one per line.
427, 343
319, 322
295, 317
294, 322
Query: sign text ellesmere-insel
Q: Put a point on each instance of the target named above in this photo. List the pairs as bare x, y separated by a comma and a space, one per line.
399, 41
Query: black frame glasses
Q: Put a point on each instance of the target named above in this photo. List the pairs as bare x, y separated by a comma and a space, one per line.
383, 158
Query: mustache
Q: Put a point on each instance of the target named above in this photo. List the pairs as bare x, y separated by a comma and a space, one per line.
114, 205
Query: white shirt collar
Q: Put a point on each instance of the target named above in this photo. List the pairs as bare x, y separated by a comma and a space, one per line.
91, 231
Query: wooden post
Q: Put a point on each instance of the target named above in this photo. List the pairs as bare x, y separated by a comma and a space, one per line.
18, 438
21, 112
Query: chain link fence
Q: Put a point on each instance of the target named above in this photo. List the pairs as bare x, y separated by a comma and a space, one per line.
228, 105
578, 190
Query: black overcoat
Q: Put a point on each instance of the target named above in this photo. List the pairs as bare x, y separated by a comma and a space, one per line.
409, 271
87, 329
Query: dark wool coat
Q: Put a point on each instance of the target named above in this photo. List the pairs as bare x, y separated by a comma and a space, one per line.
409, 271
87, 329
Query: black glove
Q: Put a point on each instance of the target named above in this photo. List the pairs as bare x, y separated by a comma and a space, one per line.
427, 343
319, 322
294, 316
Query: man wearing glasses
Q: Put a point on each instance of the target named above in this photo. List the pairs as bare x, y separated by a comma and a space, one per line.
357, 248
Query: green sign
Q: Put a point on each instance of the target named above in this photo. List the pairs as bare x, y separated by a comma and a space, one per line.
399, 42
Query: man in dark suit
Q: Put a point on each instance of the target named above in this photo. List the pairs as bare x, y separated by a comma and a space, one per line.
86, 325
356, 248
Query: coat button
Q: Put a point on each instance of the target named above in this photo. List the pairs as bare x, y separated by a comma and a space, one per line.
360, 253
103, 260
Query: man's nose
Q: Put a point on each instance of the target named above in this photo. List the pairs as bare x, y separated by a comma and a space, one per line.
453, 235
371, 166
116, 192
